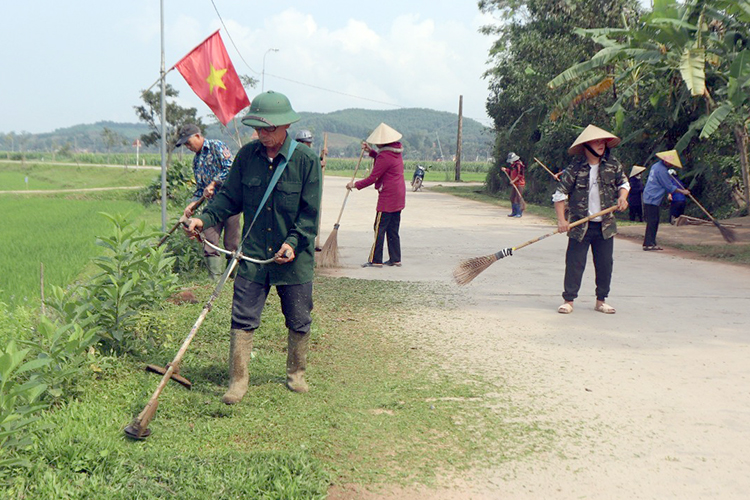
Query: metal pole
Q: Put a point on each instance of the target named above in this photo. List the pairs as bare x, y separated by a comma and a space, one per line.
263, 71
458, 139
163, 130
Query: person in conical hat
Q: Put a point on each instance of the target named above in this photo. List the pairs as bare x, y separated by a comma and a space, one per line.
636, 193
275, 183
594, 181
659, 184
388, 177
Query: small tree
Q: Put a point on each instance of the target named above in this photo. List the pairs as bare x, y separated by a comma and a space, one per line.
177, 116
111, 138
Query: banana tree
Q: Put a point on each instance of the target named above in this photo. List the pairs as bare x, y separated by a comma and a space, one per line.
700, 48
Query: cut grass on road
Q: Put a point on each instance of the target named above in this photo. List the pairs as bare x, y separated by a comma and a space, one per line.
380, 410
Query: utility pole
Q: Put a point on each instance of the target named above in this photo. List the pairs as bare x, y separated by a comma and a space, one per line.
458, 140
163, 114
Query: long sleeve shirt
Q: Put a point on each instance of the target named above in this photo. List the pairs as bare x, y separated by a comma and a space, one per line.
388, 176
211, 164
659, 183
290, 215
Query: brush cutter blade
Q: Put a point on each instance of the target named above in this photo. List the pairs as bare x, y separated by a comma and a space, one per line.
135, 431
175, 376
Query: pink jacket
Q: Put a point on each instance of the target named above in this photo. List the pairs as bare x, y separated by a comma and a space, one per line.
388, 176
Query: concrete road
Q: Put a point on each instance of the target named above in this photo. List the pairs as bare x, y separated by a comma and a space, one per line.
652, 402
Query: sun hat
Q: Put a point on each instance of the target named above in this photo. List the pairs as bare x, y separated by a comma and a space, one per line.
512, 157
383, 134
637, 169
186, 132
592, 133
270, 109
670, 157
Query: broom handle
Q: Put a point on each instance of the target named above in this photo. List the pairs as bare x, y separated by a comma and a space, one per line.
694, 200
545, 167
574, 224
523, 202
348, 190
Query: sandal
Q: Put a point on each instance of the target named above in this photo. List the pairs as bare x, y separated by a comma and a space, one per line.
371, 264
652, 247
391, 263
565, 308
605, 308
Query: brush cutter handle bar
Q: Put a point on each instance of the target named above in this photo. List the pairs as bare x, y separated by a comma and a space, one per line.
239, 255
164, 238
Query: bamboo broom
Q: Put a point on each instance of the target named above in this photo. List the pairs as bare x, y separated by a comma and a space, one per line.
329, 255
471, 268
728, 234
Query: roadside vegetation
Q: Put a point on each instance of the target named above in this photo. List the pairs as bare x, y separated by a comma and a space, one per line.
381, 409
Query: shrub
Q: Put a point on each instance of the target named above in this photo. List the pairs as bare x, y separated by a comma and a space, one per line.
134, 276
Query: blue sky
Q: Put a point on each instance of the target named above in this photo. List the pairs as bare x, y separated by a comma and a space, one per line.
68, 63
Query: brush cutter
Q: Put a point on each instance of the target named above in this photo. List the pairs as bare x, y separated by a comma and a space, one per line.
728, 234
181, 221
470, 269
138, 428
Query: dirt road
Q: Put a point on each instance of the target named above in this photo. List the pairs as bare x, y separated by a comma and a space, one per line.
652, 402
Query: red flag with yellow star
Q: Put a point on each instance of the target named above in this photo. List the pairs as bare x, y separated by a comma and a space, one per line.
210, 73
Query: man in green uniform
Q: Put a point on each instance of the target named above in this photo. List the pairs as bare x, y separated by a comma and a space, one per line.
285, 228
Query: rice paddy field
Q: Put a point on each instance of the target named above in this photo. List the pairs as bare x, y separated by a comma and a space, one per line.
58, 230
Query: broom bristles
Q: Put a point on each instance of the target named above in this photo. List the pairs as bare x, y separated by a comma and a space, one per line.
471, 268
329, 254
729, 235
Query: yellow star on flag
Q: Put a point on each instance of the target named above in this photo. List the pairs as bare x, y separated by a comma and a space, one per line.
214, 79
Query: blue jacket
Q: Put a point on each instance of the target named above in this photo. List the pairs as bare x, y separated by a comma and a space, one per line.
659, 183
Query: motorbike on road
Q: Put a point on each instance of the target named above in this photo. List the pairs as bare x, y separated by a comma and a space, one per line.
418, 178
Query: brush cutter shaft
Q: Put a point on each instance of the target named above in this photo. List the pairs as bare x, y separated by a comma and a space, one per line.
140, 423
164, 238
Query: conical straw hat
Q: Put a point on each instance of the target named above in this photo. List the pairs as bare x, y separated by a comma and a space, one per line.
670, 157
383, 134
637, 169
592, 133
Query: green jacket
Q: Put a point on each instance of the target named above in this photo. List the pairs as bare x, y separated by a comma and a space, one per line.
290, 214
574, 182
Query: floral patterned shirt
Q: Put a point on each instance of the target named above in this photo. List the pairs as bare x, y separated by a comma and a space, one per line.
211, 164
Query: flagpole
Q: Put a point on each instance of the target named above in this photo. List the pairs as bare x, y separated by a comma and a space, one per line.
163, 130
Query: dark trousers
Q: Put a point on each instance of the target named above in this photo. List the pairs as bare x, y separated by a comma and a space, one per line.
651, 214
250, 297
636, 211
575, 262
386, 226
676, 209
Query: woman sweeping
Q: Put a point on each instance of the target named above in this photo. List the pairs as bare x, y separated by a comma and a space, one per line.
595, 180
388, 176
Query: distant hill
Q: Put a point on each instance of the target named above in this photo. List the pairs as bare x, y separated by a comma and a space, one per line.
426, 132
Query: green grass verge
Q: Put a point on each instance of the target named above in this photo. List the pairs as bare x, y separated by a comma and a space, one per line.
380, 410
42, 176
734, 253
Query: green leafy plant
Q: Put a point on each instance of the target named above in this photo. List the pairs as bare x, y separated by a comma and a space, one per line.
19, 401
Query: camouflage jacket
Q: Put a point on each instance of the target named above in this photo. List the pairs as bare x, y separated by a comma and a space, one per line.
574, 182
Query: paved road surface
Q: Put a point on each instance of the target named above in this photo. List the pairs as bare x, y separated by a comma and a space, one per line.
652, 402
